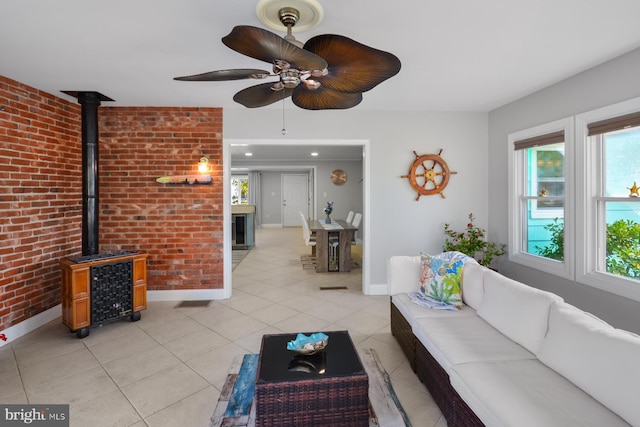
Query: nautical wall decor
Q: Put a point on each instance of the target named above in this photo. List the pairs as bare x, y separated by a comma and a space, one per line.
429, 174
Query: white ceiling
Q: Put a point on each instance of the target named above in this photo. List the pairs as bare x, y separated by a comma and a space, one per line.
457, 55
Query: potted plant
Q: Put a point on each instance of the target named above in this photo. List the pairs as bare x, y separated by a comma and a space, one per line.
472, 242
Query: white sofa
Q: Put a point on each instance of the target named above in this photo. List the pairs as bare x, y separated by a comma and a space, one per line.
515, 355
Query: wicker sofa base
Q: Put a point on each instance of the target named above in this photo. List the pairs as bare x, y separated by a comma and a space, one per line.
434, 377
401, 329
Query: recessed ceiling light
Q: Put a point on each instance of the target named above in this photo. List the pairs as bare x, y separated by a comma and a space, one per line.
314, 154
248, 154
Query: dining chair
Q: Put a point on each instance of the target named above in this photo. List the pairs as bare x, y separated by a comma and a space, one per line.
349, 217
356, 223
309, 240
333, 252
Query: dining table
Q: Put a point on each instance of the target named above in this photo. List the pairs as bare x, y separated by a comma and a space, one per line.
344, 231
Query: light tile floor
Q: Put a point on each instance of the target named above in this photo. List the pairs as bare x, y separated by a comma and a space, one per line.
168, 368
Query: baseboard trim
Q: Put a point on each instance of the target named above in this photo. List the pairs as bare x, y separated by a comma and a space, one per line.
31, 324
186, 295
382, 289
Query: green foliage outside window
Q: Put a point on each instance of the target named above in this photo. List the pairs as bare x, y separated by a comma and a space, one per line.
555, 249
623, 246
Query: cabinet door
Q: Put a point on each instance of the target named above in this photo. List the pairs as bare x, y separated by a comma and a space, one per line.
76, 306
139, 284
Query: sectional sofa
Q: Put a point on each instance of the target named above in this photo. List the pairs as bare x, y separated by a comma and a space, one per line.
514, 355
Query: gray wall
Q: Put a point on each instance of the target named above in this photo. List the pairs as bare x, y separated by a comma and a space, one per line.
346, 197
610, 83
399, 224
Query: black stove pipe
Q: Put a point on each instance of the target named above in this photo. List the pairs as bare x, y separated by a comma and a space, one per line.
90, 101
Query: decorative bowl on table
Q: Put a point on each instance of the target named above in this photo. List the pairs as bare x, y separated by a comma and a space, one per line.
308, 345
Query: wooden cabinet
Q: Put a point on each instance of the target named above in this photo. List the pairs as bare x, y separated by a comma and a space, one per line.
91, 296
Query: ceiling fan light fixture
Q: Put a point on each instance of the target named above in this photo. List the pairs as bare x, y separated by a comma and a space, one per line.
290, 78
311, 84
319, 73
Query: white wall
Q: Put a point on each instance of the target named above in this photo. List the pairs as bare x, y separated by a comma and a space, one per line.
399, 224
609, 83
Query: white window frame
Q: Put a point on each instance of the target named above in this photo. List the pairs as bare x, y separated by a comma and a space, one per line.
517, 191
589, 196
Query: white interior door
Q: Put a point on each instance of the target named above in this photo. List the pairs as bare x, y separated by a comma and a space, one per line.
295, 198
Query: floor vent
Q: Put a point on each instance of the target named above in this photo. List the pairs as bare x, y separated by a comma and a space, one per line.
332, 288
193, 304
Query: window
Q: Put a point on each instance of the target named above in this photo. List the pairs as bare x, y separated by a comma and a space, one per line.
239, 189
540, 197
547, 179
586, 222
609, 162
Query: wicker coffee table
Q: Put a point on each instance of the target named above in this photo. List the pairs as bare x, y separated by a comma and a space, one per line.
329, 388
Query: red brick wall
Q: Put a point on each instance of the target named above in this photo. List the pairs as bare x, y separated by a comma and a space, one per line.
40, 198
180, 226
41, 195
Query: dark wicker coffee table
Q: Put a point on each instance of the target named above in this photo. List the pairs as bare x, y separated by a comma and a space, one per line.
329, 388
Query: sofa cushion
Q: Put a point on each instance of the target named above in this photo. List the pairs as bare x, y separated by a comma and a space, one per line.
527, 393
440, 277
515, 309
601, 360
412, 311
472, 284
454, 339
403, 274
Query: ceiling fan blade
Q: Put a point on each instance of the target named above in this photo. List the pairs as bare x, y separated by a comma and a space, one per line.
267, 46
353, 67
223, 75
260, 95
324, 98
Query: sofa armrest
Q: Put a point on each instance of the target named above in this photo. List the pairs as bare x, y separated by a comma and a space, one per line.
403, 274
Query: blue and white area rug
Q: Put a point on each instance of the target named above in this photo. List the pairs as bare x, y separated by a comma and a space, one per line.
235, 406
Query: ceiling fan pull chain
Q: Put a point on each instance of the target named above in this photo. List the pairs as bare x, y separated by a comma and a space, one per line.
284, 130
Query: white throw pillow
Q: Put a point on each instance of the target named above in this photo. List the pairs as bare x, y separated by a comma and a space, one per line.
515, 309
403, 274
601, 360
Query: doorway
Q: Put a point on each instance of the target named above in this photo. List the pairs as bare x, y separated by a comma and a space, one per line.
365, 229
295, 198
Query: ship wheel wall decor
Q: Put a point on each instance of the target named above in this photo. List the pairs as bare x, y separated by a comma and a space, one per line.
429, 174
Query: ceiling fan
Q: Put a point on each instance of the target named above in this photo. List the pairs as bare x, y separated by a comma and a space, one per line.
328, 72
